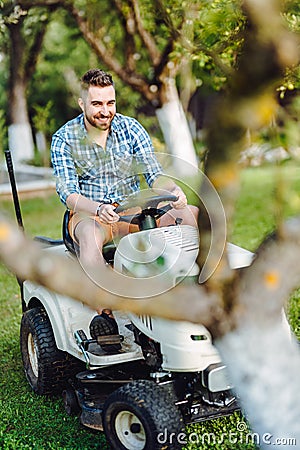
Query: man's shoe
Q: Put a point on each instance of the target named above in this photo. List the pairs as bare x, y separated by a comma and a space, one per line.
103, 325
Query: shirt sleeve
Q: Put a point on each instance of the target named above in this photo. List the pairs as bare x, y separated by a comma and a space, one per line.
63, 168
145, 158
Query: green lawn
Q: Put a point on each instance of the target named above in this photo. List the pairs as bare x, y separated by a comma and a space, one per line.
31, 422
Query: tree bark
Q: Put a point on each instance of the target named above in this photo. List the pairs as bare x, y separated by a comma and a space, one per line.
23, 55
19, 130
178, 139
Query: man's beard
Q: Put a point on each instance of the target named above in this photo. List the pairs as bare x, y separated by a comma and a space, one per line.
98, 125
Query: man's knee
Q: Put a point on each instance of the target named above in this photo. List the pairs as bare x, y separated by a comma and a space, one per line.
91, 239
89, 232
188, 216
194, 210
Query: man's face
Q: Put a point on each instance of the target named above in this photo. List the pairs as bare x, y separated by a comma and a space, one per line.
99, 107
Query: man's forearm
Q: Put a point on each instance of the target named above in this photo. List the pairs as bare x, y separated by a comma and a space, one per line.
79, 203
164, 183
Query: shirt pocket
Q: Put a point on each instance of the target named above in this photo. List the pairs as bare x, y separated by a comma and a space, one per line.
89, 166
122, 162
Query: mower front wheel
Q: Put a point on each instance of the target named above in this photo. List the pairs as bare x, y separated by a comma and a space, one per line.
47, 368
142, 416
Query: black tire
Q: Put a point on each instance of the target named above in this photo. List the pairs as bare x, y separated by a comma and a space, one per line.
47, 369
70, 400
142, 416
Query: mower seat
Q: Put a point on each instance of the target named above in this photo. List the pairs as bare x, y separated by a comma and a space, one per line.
68, 241
108, 249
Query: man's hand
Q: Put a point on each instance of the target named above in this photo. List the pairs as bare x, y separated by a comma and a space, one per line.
163, 184
107, 214
182, 201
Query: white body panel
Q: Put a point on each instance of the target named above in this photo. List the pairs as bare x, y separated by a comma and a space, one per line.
171, 251
185, 347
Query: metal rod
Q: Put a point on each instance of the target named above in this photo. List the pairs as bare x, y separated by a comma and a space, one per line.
11, 174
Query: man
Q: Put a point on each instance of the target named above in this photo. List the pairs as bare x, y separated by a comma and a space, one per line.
97, 158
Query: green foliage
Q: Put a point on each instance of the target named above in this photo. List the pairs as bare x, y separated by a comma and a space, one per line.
230, 433
42, 119
257, 206
61, 63
10, 14
3, 81
44, 124
218, 39
293, 310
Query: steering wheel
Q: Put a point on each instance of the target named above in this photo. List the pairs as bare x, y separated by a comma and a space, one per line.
148, 203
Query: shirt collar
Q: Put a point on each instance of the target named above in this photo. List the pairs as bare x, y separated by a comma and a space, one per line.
115, 125
81, 124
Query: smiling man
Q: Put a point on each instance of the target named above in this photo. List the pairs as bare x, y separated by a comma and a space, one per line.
98, 158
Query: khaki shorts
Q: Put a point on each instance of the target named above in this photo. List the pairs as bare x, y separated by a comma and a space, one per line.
111, 231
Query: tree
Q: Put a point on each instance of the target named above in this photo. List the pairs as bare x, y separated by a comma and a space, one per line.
25, 37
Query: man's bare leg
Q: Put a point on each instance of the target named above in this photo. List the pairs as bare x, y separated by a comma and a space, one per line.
189, 216
91, 238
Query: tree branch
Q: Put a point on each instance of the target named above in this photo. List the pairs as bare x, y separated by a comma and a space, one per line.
31, 3
166, 18
133, 79
29, 261
218, 311
129, 28
34, 50
145, 36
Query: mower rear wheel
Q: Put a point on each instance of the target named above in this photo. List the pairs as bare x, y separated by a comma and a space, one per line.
47, 368
142, 416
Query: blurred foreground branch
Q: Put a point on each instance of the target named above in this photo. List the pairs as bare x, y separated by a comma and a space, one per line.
265, 279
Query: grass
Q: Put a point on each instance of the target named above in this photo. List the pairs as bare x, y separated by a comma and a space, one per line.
257, 209
28, 421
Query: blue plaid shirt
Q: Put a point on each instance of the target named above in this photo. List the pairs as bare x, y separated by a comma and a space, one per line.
84, 167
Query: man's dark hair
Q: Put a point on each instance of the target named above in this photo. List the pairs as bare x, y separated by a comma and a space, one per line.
96, 77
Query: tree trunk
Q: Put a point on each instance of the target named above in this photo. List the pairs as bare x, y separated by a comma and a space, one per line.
175, 128
258, 359
19, 130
